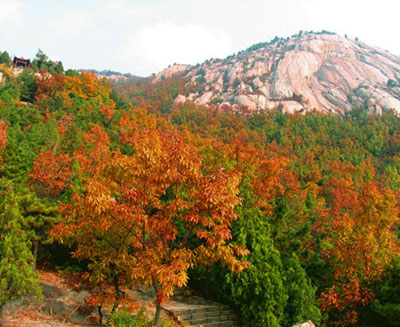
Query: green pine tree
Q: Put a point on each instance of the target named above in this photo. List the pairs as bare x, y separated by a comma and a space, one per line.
387, 302
258, 293
302, 303
5, 58
39, 214
17, 277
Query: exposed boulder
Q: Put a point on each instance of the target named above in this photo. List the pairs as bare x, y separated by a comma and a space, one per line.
305, 324
171, 71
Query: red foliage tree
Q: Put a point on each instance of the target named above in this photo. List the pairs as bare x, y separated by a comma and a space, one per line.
134, 214
359, 237
51, 172
3, 138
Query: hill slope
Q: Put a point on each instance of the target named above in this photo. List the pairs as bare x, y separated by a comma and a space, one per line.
326, 72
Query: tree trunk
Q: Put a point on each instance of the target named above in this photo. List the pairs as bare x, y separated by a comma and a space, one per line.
158, 307
158, 314
114, 307
100, 316
207, 290
35, 252
117, 292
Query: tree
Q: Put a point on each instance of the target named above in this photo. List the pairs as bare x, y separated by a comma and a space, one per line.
302, 303
51, 172
274, 290
28, 87
17, 277
41, 59
7, 75
387, 301
59, 69
258, 293
360, 239
3, 138
5, 58
38, 216
135, 214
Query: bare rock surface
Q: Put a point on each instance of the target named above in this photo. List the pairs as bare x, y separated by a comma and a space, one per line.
324, 72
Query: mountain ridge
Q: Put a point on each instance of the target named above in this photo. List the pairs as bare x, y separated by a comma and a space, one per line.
308, 71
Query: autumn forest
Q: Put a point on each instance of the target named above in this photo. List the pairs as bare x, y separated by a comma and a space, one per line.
283, 217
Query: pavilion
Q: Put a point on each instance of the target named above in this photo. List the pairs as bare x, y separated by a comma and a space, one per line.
21, 62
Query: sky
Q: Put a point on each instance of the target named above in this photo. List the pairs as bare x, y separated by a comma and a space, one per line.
145, 36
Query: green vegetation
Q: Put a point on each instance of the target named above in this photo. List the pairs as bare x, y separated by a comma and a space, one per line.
5, 58
217, 101
284, 217
123, 318
17, 277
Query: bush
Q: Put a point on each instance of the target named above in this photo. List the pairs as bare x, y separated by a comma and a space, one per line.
216, 101
123, 318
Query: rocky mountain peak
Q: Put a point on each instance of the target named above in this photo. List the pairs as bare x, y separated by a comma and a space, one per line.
309, 71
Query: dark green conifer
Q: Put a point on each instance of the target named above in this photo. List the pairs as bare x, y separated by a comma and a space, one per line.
17, 278
5, 58
302, 304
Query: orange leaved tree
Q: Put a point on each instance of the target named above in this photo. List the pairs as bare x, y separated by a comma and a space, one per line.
147, 215
3, 138
359, 239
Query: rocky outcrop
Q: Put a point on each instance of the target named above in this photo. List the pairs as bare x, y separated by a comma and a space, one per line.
323, 72
305, 324
171, 71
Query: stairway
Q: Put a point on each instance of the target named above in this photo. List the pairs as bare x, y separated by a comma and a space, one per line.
212, 316
203, 315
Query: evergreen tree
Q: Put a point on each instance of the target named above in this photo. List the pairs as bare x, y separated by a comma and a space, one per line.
5, 58
28, 85
258, 292
59, 68
17, 277
41, 57
39, 215
387, 303
302, 304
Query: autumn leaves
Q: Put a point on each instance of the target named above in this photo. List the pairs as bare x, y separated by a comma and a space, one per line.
133, 216
145, 198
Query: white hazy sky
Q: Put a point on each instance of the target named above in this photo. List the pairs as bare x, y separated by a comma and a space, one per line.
144, 36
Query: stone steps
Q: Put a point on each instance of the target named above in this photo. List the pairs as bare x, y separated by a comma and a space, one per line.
210, 315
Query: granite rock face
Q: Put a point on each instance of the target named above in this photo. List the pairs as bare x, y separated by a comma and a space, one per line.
323, 72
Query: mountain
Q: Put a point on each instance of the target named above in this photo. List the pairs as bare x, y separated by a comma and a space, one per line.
308, 71
113, 76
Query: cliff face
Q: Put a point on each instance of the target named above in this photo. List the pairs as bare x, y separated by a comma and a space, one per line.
322, 72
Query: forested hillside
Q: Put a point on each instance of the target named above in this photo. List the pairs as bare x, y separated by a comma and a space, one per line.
285, 217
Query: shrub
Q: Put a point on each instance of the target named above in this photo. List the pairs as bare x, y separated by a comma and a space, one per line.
123, 318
